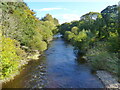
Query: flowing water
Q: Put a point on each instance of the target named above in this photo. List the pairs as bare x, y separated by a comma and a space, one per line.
56, 68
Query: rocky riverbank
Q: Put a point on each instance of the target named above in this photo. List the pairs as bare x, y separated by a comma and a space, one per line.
108, 80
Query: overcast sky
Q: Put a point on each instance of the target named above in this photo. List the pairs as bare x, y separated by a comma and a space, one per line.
68, 10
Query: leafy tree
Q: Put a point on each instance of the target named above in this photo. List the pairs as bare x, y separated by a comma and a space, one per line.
110, 15
56, 22
20, 27
48, 17
98, 35
69, 35
64, 27
75, 30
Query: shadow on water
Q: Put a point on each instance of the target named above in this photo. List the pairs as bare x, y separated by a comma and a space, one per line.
58, 67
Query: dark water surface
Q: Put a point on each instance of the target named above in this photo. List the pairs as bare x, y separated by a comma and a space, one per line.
57, 68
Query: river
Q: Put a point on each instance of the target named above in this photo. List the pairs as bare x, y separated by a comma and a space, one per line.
58, 67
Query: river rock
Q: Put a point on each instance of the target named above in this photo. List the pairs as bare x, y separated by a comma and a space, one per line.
108, 80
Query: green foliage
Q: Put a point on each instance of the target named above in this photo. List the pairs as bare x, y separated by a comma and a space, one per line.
110, 16
114, 44
37, 44
98, 35
64, 27
81, 36
23, 26
101, 58
75, 30
10, 57
69, 35
49, 18
56, 22
22, 29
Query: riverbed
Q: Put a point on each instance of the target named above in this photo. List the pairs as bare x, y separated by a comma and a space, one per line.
58, 67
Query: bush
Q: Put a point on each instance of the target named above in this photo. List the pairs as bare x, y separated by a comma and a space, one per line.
37, 44
69, 35
101, 58
114, 44
20, 24
10, 57
23, 26
75, 30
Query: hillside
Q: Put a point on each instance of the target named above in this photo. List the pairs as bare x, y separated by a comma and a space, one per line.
23, 36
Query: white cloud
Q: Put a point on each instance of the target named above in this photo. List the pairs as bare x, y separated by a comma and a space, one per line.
67, 17
49, 9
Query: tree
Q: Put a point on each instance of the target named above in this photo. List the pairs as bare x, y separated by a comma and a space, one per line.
75, 30
110, 15
56, 22
48, 17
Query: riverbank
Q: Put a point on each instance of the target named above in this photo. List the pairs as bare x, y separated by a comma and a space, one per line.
96, 39
56, 68
22, 29
30, 56
108, 80
112, 81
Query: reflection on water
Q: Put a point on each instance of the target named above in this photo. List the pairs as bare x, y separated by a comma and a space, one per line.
57, 68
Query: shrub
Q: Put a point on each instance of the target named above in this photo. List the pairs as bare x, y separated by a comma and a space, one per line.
37, 44
114, 44
101, 58
10, 57
75, 30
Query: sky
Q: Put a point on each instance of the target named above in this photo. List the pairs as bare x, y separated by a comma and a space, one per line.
68, 10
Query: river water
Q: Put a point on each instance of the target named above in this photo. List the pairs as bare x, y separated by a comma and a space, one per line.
58, 67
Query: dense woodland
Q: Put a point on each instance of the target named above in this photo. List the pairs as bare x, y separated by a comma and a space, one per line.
22, 34
97, 35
